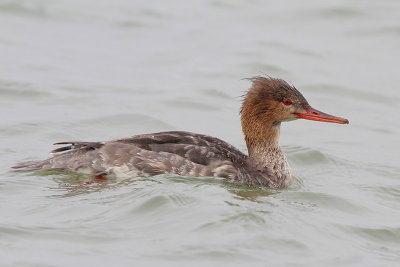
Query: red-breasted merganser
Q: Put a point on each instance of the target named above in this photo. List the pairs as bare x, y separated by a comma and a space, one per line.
266, 104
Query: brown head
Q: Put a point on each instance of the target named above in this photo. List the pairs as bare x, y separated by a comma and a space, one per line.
271, 101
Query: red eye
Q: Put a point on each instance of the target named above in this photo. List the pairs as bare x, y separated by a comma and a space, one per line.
287, 101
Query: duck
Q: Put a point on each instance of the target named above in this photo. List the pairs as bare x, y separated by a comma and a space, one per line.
268, 103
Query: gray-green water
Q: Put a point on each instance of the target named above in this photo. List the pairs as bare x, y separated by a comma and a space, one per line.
100, 70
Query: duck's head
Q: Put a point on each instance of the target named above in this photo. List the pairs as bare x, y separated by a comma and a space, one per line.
271, 101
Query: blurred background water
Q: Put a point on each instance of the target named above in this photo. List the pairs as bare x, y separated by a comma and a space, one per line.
95, 70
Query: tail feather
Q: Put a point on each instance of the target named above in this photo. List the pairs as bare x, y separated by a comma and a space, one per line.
32, 165
76, 146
